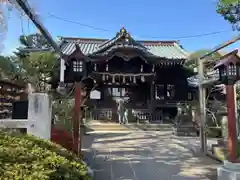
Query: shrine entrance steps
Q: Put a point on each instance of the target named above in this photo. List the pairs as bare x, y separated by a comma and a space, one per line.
95, 125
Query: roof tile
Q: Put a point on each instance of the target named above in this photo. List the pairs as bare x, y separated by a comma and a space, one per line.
165, 49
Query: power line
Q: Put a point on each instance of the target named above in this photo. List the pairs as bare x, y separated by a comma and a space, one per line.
148, 37
78, 23
193, 36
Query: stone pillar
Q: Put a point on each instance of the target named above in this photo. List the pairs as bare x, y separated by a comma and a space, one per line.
39, 115
224, 122
229, 171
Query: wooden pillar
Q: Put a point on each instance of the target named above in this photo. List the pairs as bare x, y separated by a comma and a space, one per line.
232, 129
152, 98
77, 113
152, 95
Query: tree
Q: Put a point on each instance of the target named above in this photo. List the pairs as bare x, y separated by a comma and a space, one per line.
193, 58
230, 10
7, 67
209, 62
37, 67
34, 41
34, 67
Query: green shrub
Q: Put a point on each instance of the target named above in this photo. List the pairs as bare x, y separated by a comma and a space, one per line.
214, 132
27, 157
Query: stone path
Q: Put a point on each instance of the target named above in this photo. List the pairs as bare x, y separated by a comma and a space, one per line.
145, 156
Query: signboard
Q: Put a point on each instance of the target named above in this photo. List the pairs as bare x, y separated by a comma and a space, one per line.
95, 94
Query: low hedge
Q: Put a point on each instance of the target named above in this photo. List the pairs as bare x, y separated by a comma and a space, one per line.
214, 132
31, 158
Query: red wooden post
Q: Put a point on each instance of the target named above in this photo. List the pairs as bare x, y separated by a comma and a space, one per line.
77, 113
232, 129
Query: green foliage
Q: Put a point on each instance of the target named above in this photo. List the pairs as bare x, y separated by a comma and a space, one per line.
36, 68
192, 61
230, 10
28, 157
34, 41
214, 132
7, 67
62, 111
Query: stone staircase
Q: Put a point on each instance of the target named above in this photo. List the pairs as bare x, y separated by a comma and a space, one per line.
109, 126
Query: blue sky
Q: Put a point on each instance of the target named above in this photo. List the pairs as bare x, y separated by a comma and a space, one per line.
149, 20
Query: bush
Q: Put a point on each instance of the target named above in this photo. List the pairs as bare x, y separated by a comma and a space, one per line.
214, 132
27, 157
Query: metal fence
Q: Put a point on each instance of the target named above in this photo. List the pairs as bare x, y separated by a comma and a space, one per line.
143, 116
102, 114
134, 115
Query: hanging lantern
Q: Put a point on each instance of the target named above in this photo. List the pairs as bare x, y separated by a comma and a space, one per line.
107, 68
153, 68
124, 80
113, 79
103, 77
107, 77
134, 79
142, 78
141, 68
95, 67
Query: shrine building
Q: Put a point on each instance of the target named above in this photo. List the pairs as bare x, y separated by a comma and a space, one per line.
148, 75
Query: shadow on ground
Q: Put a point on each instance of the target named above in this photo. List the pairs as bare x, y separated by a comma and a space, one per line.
143, 156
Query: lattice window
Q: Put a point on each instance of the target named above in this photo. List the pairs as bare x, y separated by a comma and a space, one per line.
117, 92
77, 66
232, 70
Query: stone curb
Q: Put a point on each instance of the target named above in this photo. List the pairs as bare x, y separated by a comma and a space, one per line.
196, 151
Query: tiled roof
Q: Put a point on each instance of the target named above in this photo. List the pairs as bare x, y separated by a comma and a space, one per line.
164, 49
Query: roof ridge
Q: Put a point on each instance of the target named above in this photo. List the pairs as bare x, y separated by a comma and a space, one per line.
82, 38
155, 42
122, 34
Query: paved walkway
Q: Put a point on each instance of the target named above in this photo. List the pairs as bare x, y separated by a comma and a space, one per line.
145, 156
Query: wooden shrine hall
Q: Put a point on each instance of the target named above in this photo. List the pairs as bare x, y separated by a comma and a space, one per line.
148, 75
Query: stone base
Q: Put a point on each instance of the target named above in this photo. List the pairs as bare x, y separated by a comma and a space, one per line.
185, 130
229, 171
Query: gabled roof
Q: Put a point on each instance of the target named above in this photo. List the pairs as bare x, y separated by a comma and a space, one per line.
228, 58
90, 46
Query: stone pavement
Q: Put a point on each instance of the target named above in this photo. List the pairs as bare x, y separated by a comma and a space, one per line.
144, 156
193, 143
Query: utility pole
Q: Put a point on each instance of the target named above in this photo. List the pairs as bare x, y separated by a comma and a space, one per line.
77, 115
202, 106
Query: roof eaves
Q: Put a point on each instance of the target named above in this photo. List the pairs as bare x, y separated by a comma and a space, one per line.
181, 49
111, 41
118, 36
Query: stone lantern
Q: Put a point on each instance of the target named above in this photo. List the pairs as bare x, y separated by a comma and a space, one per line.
229, 73
76, 71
